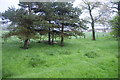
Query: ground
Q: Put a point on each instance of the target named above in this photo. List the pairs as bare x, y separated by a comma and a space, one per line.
79, 58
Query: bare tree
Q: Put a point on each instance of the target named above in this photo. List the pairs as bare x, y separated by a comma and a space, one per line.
98, 12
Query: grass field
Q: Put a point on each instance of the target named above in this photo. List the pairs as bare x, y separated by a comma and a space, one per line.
79, 58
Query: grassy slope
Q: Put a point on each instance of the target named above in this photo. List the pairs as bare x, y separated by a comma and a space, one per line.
79, 58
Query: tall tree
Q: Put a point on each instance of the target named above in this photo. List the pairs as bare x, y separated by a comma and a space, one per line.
92, 8
67, 16
47, 10
29, 6
22, 24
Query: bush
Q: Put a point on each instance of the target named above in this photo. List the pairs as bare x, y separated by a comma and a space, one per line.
67, 52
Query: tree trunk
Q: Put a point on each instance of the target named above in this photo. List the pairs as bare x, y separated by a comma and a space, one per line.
52, 37
29, 8
62, 36
49, 37
92, 23
93, 31
26, 44
84, 36
55, 36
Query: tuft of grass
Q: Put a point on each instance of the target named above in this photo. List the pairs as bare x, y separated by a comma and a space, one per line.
35, 61
66, 52
92, 54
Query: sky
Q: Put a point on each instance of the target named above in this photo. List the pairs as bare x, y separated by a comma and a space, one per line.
4, 4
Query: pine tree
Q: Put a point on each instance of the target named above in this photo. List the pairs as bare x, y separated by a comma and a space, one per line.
23, 24
46, 10
67, 16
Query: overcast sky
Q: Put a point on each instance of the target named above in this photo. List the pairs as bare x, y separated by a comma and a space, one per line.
4, 4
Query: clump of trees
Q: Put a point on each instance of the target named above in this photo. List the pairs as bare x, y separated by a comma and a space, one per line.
36, 18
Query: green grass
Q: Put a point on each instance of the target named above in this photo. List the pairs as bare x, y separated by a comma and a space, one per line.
79, 58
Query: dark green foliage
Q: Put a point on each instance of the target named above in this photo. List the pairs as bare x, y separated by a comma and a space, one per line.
115, 23
22, 23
